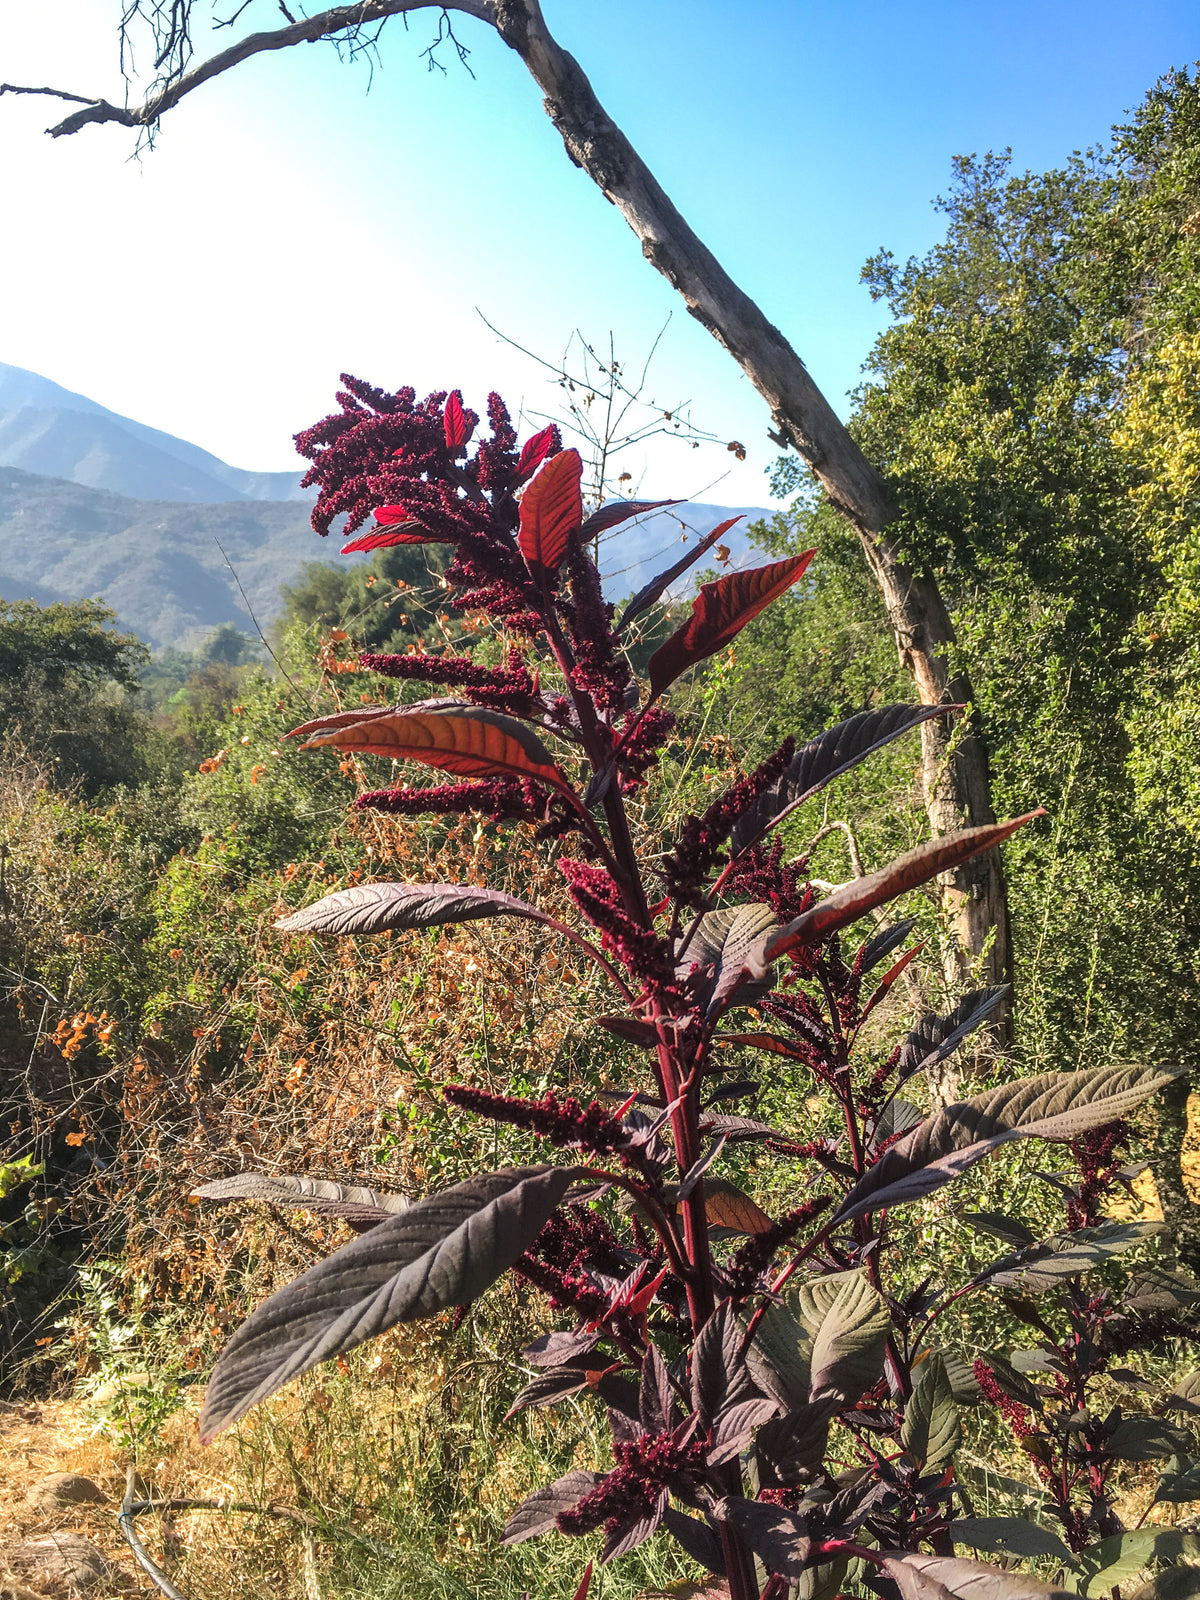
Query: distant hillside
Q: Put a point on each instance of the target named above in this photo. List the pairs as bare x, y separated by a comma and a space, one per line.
94, 505
48, 430
157, 562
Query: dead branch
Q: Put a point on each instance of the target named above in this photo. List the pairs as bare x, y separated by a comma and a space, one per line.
323, 25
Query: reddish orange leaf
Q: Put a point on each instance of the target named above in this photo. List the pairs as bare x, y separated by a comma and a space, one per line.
585, 1583
381, 538
347, 719
726, 1206
551, 511
470, 744
534, 452
854, 900
454, 421
719, 612
761, 1041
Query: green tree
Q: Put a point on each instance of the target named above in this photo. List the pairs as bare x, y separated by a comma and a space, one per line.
386, 604
68, 684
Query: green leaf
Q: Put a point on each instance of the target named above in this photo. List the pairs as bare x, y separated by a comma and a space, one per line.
1176, 1583
1113, 1561
779, 1356
848, 1324
1180, 1482
1186, 1397
1064, 1255
931, 1431
963, 1382
443, 1251
1013, 1536
823, 1344
1008, 1229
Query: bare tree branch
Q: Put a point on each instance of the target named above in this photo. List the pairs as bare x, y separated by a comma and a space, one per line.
58, 94
323, 25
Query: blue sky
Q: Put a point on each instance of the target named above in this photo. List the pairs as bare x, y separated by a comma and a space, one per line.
291, 224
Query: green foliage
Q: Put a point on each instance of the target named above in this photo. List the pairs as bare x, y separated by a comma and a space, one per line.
67, 682
1033, 404
380, 603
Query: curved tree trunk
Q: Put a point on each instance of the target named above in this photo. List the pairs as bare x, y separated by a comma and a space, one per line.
954, 767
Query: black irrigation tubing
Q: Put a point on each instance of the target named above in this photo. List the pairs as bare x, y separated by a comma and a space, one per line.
131, 1508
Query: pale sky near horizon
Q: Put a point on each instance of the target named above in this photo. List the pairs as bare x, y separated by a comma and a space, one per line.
290, 224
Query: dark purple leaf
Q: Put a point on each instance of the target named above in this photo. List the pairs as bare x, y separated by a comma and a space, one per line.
624, 1539
1053, 1105
883, 943
659, 586
598, 785
737, 1127
1037, 1267
778, 1538
935, 1038
922, 1577
538, 1512
794, 1445
555, 1348
655, 1399
1161, 1289
618, 511
631, 1030
346, 1200
547, 1389
735, 1426
835, 751
697, 1539
726, 948
738, 1089
373, 907
698, 1168
897, 1117
443, 1251
720, 1377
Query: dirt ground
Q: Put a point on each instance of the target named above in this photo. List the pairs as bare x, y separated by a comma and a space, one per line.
47, 1436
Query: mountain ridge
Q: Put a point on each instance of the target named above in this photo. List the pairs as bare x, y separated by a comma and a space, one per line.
168, 555
57, 433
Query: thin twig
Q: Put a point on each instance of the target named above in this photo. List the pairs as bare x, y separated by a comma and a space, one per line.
254, 619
